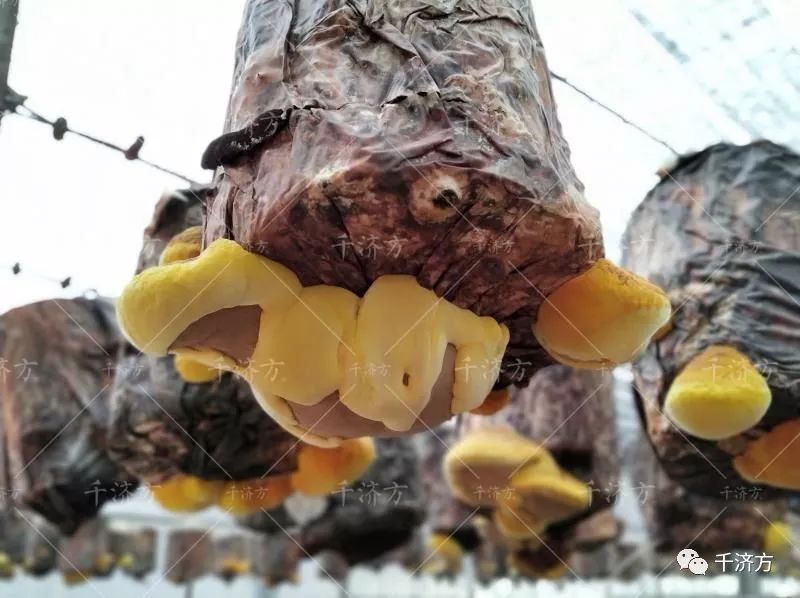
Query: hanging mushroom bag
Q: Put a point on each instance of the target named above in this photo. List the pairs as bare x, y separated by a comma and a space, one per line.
397, 227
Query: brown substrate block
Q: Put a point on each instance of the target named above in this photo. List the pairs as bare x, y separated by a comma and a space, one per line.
720, 233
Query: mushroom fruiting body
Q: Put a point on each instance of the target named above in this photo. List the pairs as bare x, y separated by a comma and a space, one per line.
187, 493
601, 318
546, 496
382, 354
320, 471
495, 467
446, 555
718, 394
773, 458
377, 216
488, 459
777, 540
193, 371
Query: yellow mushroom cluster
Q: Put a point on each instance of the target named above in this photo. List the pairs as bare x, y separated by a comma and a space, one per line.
519, 480
319, 472
380, 356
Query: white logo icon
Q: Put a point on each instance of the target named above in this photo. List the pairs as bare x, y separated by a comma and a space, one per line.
685, 556
698, 566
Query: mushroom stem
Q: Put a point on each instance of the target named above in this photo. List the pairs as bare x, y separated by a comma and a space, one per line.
718, 394
601, 318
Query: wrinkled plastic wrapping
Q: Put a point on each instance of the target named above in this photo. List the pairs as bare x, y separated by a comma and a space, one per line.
369, 138
57, 361
446, 515
721, 234
376, 514
361, 521
162, 426
676, 518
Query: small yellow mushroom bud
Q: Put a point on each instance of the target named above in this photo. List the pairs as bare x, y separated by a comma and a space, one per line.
187, 493
6, 566
126, 561
718, 394
183, 246
103, 563
777, 540
320, 471
232, 567
601, 318
74, 577
193, 371
773, 458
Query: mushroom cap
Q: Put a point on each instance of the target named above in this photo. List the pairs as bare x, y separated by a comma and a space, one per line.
546, 496
321, 471
625, 312
187, 493
772, 459
718, 394
488, 458
777, 539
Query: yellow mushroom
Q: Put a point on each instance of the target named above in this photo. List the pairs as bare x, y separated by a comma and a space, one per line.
73, 577
718, 394
193, 371
183, 246
250, 496
321, 471
187, 493
515, 525
346, 339
601, 318
446, 555
546, 497
777, 540
479, 467
6, 566
773, 458
103, 563
233, 567
126, 561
